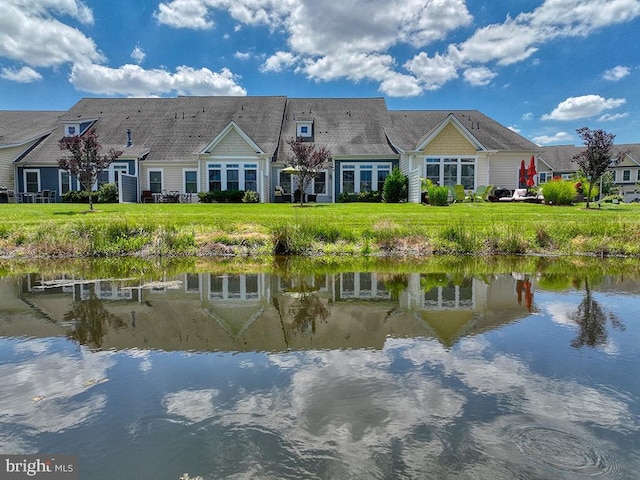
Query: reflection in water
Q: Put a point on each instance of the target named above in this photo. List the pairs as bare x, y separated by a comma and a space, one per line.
592, 319
332, 375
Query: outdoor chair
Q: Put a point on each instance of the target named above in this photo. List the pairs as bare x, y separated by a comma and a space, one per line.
458, 193
280, 196
11, 196
147, 196
482, 193
42, 196
53, 197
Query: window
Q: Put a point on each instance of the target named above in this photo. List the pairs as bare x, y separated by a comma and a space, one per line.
32, 181
155, 181
451, 171
65, 182
190, 181
304, 129
320, 183
364, 177
348, 181
215, 178
626, 175
71, 131
233, 179
251, 180
542, 177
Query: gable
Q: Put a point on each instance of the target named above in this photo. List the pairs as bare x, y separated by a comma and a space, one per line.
450, 141
232, 141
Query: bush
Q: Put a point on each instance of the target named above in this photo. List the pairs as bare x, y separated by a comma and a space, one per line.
250, 197
396, 187
108, 193
559, 192
438, 196
368, 197
79, 196
221, 196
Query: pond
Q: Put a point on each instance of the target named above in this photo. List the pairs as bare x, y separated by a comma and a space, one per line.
512, 372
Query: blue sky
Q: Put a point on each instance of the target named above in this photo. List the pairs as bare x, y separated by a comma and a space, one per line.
542, 68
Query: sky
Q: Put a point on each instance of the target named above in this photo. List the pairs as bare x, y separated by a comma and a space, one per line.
541, 68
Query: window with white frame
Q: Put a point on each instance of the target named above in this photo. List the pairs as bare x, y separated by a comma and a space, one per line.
112, 174
155, 181
190, 181
448, 171
318, 184
358, 178
64, 179
232, 176
626, 175
304, 130
542, 177
31, 181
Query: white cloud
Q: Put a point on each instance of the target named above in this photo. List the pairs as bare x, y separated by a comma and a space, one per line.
616, 73
607, 117
398, 85
278, 62
575, 108
31, 34
133, 80
527, 116
353, 66
24, 75
433, 72
242, 56
559, 138
138, 55
514, 128
479, 76
184, 14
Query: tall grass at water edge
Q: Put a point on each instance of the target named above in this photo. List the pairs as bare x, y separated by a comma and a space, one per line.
336, 229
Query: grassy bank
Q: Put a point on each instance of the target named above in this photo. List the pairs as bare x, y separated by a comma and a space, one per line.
340, 229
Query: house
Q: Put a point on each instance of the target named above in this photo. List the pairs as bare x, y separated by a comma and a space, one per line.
200, 144
457, 147
556, 161
20, 132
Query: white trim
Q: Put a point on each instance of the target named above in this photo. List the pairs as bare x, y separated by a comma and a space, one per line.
24, 178
441, 162
161, 170
184, 178
358, 168
242, 167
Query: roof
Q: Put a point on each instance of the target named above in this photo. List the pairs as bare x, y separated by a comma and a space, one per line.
558, 157
21, 126
410, 127
345, 126
169, 129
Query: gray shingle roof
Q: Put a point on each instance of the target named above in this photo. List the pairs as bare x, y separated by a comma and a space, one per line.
558, 157
170, 129
345, 126
20, 126
409, 127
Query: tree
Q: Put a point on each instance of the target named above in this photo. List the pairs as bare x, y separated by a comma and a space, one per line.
306, 159
85, 162
597, 157
396, 187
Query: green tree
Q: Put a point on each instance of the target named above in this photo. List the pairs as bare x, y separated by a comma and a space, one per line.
396, 187
85, 162
597, 157
306, 159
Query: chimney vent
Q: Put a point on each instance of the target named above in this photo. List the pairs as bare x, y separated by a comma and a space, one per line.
129, 141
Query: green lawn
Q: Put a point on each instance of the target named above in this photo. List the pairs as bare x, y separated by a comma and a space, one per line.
349, 228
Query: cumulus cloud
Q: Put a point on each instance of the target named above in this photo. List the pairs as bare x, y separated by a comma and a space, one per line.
185, 14
559, 138
24, 75
133, 80
278, 62
479, 76
138, 54
616, 73
30, 33
433, 72
586, 106
607, 117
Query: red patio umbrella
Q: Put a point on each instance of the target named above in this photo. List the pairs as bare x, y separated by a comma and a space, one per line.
523, 174
531, 172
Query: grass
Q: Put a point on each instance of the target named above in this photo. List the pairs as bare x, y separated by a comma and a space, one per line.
321, 229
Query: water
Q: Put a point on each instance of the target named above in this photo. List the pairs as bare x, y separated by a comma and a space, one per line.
345, 374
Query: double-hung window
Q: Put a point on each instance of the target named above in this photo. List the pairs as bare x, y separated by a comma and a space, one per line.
369, 177
155, 181
190, 181
232, 176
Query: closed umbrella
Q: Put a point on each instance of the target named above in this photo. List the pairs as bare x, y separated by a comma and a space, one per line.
531, 172
523, 175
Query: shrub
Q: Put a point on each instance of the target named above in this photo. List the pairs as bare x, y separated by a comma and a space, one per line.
79, 196
438, 196
396, 187
368, 197
250, 197
108, 193
559, 192
221, 196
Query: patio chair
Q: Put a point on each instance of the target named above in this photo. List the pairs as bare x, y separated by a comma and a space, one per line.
457, 191
482, 193
280, 196
11, 196
42, 196
147, 197
53, 196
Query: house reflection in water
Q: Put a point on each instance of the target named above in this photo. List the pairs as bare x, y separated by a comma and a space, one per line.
265, 312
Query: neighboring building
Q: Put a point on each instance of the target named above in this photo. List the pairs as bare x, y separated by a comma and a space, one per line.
199, 144
556, 161
20, 131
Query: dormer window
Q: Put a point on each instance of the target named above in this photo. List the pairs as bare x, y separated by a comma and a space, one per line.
304, 130
71, 130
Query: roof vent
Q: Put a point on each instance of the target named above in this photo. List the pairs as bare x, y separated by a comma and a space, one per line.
129, 141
